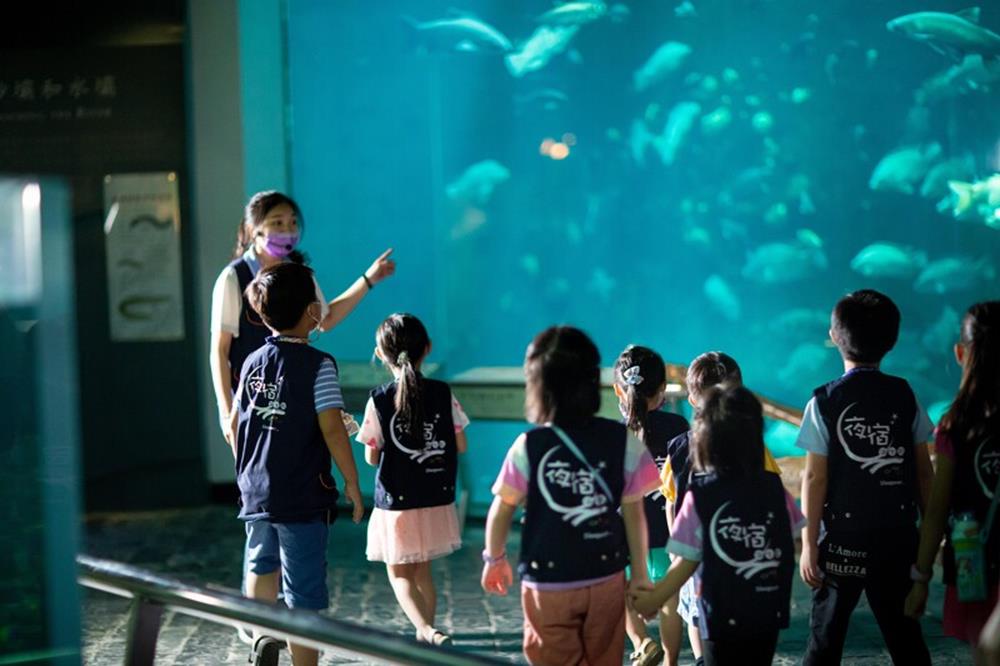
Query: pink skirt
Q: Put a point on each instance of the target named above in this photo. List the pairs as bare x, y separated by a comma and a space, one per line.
413, 535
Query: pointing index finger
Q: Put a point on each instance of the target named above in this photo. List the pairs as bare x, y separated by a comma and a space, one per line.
385, 255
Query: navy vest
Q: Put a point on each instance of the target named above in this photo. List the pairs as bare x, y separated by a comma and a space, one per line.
872, 477
748, 556
977, 470
679, 452
253, 331
416, 470
572, 528
661, 429
282, 462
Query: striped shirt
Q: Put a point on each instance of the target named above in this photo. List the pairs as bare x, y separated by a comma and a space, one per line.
327, 388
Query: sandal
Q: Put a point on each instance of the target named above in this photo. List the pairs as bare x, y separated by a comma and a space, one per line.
437, 638
265, 651
649, 653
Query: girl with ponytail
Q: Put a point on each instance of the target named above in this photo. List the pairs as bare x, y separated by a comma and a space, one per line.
967, 480
640, 380
413, 431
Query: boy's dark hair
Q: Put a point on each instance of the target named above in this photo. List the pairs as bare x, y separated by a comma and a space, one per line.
728, 432
653, 371
281, 293
562, 371
403, 341
864, 326
711, 369
975, 413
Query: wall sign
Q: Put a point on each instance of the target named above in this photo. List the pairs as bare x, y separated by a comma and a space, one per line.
142, 227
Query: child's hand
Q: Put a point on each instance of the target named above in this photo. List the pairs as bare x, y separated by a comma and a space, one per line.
497, 577
353, 494
643, 600
916, 601
809, 569
381, 268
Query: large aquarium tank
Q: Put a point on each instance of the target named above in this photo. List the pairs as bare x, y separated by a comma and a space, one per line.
689, 175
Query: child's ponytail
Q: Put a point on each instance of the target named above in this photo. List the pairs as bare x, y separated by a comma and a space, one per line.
977, 405
403, 341
409, 408
641, 374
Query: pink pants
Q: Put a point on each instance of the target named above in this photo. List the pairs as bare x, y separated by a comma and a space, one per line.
580, 626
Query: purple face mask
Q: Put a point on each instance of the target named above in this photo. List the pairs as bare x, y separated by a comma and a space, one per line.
280, 245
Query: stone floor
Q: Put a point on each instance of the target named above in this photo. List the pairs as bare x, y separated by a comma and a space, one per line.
204, 547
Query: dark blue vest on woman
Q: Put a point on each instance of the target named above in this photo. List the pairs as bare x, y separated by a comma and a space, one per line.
871, 465
661, 428
416, 470
748, 556
253, 332
572, 528
282, 462
977, 471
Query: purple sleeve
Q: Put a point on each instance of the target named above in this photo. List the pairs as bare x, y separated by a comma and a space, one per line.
512, 483
686, 538
795, 517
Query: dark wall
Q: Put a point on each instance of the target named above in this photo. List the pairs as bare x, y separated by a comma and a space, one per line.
107, 96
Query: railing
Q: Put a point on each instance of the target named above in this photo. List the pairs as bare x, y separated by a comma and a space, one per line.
152, 594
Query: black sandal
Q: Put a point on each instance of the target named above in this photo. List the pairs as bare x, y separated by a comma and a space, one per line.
265, 651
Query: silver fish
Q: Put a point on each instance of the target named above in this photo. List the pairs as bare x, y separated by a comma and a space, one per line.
463, 33
476, 184
574, 13
953, 274
679, 123
666, 59
543, 45
889, 260
722, 297
948, 33
901, 169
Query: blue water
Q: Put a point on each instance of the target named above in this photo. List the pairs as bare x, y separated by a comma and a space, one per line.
382, 121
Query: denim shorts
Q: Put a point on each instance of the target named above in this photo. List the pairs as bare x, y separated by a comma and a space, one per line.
299, 551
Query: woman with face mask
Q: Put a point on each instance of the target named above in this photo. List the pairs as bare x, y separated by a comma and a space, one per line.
268, 234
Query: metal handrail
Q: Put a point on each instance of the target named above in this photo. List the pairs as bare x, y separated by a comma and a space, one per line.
153, 593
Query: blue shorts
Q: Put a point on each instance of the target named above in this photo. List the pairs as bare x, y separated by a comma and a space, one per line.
299, 551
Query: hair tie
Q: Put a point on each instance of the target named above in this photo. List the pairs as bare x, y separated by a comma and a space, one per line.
402, 358
632, 376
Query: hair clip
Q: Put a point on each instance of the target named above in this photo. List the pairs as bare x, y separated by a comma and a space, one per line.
402, 358
632, 376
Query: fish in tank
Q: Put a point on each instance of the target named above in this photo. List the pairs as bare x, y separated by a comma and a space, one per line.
706, 174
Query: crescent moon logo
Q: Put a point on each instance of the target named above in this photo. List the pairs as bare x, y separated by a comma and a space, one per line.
571, 514
747, 569
980, 465
418, 455
873, 463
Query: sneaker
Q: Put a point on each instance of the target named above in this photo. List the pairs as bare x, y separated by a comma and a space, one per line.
265, 651
649, 653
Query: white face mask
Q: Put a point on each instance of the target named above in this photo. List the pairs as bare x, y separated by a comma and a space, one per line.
314, 333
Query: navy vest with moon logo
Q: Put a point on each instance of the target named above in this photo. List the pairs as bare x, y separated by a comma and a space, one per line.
572, 528
282, 461
416, 470
977, 472
872, 478
679, 452
748, 556
661, 428
253, 332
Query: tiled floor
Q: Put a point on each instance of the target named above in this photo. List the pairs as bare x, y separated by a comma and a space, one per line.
204, 547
